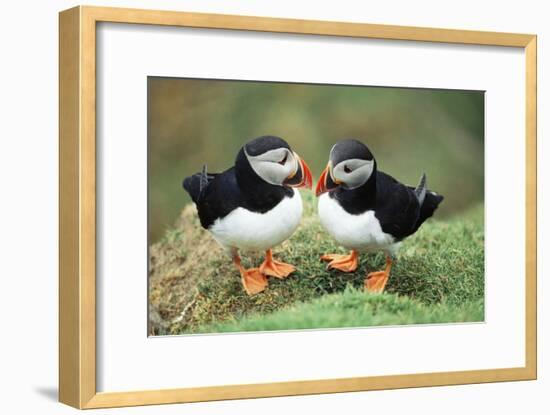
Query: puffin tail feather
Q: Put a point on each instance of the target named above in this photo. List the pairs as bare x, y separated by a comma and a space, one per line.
427, 208
197, 183
420, 191
203, 179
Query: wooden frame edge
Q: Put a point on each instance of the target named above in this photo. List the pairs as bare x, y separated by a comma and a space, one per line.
531, 206
77, 330
77, 216
308, 27
69, 288
296, 388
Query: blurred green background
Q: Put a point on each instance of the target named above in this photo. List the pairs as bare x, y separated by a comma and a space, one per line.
409, 131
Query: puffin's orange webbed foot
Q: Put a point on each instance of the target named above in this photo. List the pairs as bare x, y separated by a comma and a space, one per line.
345, 263
275, 268
376, 281
253, 280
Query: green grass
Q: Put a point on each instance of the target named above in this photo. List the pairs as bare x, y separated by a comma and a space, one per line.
354, 308
438, 278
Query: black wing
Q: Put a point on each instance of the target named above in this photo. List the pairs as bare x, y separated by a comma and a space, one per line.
215, 194
398, 207
403, 209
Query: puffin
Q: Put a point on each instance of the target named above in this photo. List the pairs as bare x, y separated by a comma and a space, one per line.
367, 210
254, 205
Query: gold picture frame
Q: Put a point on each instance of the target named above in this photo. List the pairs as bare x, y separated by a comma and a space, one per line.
77, 277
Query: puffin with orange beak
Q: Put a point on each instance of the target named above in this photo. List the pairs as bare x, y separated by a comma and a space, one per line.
253, 206
366, 210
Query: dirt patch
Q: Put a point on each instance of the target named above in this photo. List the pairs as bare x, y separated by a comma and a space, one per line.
177, 263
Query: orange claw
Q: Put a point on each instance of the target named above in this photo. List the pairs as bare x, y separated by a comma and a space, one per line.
376, 281
253, 280
345, 263
275, 268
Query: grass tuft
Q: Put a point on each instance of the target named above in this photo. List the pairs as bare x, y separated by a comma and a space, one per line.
353, 308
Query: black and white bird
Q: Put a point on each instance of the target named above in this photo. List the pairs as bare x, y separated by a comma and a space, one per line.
253, 206
366, 210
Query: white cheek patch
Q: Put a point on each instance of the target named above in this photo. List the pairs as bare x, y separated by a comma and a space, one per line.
268, 167
361, 170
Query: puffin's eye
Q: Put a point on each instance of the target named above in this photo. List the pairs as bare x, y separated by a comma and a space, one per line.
283, 161
347, 169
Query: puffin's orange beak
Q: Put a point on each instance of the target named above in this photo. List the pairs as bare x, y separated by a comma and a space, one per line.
301, 177
325, 183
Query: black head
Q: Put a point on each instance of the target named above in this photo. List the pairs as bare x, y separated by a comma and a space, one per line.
349, 149
350, 165
271, 159
264, 144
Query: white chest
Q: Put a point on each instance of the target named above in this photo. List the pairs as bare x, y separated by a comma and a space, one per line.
360, 232
253, 231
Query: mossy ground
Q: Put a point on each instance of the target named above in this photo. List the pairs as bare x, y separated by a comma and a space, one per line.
438, 278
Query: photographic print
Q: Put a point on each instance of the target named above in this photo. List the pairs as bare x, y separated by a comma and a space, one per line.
290, 206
